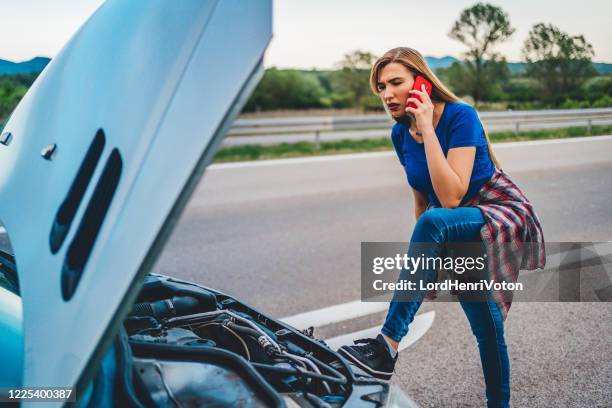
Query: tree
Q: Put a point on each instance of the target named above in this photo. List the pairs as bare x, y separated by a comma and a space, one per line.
480, 28
559, 61
462, 78
520, 89
11, 92
286, 89
597, 87
352, 79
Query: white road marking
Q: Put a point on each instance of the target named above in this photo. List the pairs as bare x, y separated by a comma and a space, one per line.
353, 310
299, 160
417, 329
369, 155
335, 314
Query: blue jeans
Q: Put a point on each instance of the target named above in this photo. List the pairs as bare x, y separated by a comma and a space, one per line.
433, 228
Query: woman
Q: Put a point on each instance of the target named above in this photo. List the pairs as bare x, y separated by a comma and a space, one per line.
460, 195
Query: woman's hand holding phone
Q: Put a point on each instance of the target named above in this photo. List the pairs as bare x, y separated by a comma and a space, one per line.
419, 104
423, 112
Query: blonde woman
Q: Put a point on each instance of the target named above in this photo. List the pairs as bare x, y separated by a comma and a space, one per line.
460, 195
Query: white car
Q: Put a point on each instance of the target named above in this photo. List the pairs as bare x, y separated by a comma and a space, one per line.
96, 164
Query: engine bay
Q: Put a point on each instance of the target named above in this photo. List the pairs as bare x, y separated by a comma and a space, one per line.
193, 346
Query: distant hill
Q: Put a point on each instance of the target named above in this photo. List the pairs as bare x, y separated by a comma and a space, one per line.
515, 67
603, 67
443, 62
37, 64
34, 65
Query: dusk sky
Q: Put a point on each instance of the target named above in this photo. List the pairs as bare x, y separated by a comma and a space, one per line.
316, 33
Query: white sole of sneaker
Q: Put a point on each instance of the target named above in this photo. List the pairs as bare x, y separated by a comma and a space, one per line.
378, 374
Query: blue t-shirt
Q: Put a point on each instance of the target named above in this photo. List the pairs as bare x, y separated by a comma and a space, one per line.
459, 126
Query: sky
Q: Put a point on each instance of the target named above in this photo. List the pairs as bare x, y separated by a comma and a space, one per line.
317, 33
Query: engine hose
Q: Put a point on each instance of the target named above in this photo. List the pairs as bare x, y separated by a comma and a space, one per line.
309, 363
177, 305
243, 329
263, 340
316, 401
308, 360
311, 359
328, 368
295, 371
178, 321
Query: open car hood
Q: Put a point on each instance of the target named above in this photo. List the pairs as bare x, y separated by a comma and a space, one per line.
101, 155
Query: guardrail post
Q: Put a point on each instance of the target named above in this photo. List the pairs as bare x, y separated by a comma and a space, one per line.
516, 128
317, 140
589, 127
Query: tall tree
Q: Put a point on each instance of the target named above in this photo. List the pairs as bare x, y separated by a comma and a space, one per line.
480, 28
461, 77
353, 76
559, 61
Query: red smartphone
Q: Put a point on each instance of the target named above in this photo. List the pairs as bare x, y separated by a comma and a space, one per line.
419, 81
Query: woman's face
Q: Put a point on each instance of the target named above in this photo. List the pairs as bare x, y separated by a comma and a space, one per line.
394, 84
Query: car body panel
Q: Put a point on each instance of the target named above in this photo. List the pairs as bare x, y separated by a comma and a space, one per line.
162, 80
11, 341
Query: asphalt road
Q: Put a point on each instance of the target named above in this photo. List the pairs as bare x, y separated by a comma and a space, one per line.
285, 237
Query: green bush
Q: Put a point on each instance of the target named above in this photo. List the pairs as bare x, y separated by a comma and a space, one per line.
597, 87
339, 101
603, 102
574, 104
11, 93
521, 89
372, 103
286, 89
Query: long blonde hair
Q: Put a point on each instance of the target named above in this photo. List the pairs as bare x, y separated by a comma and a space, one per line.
415, 63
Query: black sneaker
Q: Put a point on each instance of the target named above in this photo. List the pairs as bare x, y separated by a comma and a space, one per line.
373, 356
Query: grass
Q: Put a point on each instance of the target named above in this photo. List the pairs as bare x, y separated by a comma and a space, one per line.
301, 149
511, 136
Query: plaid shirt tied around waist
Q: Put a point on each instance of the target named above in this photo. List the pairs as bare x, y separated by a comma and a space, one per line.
512, 234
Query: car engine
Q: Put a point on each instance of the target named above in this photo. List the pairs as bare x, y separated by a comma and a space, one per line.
193, 346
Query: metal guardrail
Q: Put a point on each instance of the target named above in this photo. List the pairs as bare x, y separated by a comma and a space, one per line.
319, 128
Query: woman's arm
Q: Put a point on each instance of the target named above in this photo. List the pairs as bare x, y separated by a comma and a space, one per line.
421, 201
450, 177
